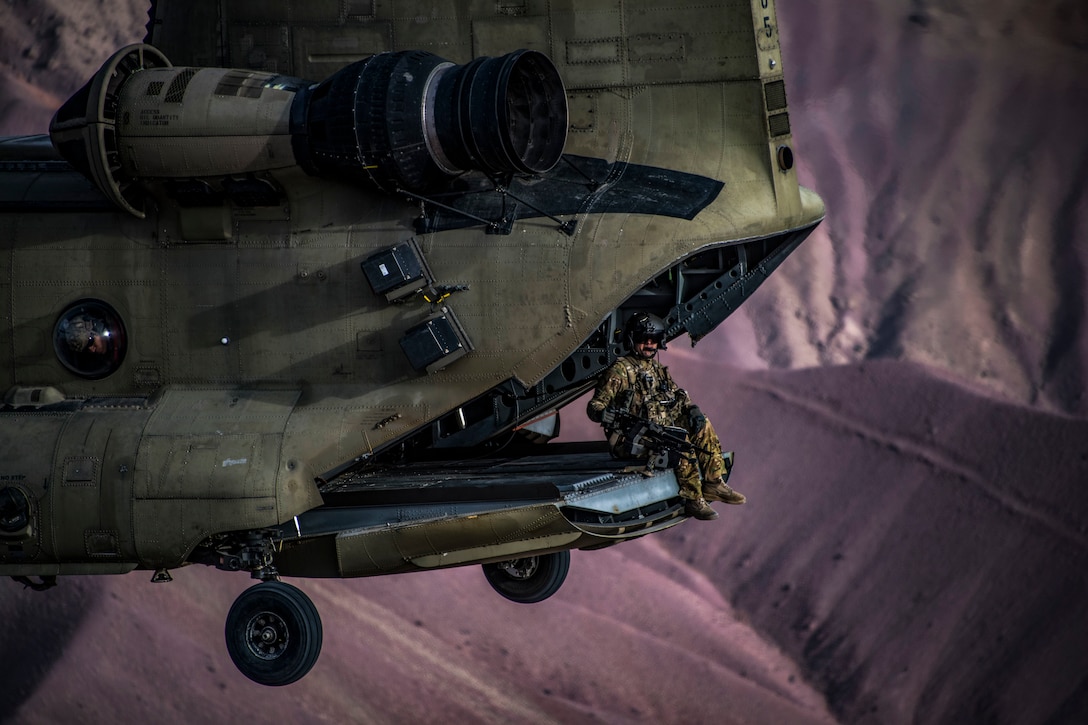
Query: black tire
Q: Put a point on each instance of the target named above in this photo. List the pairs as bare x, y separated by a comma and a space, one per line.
273, 633
529, 579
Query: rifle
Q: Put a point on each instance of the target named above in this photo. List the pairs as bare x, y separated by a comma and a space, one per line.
636, 437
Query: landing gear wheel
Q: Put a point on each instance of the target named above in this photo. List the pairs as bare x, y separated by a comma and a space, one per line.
529, 579
273, 633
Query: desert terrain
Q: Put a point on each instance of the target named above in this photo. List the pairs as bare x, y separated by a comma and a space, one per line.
905, 396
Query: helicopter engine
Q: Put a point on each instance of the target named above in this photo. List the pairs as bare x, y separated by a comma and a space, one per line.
404, 121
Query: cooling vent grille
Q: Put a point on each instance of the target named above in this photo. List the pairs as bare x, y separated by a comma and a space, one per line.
779, 124
775, 91
176, 92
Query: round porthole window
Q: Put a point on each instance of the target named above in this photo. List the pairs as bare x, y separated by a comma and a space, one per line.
89, 339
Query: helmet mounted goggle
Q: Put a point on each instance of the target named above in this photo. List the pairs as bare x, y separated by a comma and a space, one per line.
644, 327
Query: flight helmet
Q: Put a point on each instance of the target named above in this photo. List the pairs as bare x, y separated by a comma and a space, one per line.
643, 326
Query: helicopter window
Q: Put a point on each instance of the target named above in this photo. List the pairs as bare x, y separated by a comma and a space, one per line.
89, 339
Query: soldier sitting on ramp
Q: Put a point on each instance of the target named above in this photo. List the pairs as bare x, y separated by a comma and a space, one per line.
639, 385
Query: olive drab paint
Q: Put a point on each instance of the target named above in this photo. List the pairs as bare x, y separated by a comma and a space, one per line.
279, 250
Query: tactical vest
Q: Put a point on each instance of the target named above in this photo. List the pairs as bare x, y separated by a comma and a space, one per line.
650, 396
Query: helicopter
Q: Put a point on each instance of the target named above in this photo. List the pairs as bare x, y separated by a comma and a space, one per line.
299, 289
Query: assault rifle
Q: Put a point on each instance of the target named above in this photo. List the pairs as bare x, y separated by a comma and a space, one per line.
637, 437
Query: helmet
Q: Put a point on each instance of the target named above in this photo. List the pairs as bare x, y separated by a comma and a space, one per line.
643, 326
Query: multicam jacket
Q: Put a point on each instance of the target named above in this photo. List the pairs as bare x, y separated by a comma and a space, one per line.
643, 388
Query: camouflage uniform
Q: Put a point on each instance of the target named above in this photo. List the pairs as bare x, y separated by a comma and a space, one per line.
645, 388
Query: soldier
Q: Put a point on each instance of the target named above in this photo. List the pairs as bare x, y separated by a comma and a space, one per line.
639, 385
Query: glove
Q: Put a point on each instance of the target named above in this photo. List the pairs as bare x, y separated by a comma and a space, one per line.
608, 416
696, 419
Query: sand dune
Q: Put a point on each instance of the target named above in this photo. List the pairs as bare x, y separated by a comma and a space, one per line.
947, 140
921, 550
55, 47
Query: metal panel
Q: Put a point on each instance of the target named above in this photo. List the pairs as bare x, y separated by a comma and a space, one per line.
262, 47
320, 51
497, 36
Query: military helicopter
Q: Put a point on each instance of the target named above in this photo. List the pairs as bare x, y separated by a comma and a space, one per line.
323, 328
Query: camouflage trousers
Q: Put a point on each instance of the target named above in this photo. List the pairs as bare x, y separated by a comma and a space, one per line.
697, 467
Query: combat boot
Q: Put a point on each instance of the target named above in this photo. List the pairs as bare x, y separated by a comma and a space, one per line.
719, 490
698, 508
